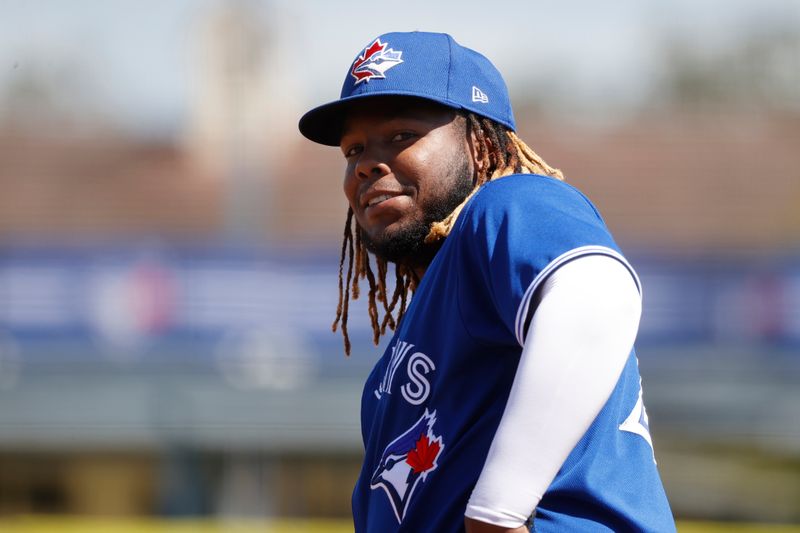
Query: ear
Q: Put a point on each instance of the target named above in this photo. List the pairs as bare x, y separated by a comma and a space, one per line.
479, 164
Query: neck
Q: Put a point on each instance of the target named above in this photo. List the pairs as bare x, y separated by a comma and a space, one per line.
420, 262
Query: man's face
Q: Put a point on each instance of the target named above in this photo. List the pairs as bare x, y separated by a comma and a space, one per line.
408, 165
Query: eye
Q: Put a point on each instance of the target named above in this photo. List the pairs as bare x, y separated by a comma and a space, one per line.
403, 136
352, 150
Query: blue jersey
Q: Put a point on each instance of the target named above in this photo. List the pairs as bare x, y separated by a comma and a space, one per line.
433, 402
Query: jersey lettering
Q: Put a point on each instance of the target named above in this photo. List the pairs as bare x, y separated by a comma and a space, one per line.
419, 365
399, 351
418, 389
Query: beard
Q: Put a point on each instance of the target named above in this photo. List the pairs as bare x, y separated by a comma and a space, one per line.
407, 246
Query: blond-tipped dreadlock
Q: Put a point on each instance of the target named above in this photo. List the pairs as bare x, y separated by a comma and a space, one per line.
498, 152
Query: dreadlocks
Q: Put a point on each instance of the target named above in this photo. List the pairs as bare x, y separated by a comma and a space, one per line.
498, 152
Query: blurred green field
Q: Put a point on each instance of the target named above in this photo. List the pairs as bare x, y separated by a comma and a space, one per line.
31, 524
731, 527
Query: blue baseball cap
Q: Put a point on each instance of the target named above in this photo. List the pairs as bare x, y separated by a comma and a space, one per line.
426, 65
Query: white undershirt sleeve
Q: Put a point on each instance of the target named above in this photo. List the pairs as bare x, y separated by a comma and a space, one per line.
577, 344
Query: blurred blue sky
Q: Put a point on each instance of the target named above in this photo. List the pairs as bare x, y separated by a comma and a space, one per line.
131, 61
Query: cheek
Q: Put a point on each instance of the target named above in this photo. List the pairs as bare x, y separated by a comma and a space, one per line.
413, 168
350, 185
433, 172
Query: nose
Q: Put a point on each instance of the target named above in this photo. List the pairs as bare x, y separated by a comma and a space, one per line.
371, 166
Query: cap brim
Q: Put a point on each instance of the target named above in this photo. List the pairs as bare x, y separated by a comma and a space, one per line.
323, 124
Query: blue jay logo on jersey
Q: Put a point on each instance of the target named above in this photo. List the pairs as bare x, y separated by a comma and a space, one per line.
407, 461
376, 59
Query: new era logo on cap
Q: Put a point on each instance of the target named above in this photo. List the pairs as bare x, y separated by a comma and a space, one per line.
479, 96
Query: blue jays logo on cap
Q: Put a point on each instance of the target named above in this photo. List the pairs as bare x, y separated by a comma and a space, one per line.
407, 461
375, 61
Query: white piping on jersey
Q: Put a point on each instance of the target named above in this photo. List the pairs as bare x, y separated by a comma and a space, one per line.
522, 310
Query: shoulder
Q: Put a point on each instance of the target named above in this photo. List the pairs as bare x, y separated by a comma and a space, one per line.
529, 197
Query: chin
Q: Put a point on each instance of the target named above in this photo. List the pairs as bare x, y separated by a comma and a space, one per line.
416, 255
398, 244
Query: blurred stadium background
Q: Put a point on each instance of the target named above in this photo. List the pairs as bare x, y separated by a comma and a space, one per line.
169, 247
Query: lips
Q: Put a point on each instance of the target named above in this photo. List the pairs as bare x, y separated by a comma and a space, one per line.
373, 198
379, 199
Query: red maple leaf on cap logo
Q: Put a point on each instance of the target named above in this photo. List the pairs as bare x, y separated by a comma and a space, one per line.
423, 457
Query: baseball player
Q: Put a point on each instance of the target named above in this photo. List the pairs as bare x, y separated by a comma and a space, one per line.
509, 398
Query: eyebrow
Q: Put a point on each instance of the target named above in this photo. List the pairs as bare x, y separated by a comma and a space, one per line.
346, 129
404, 113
